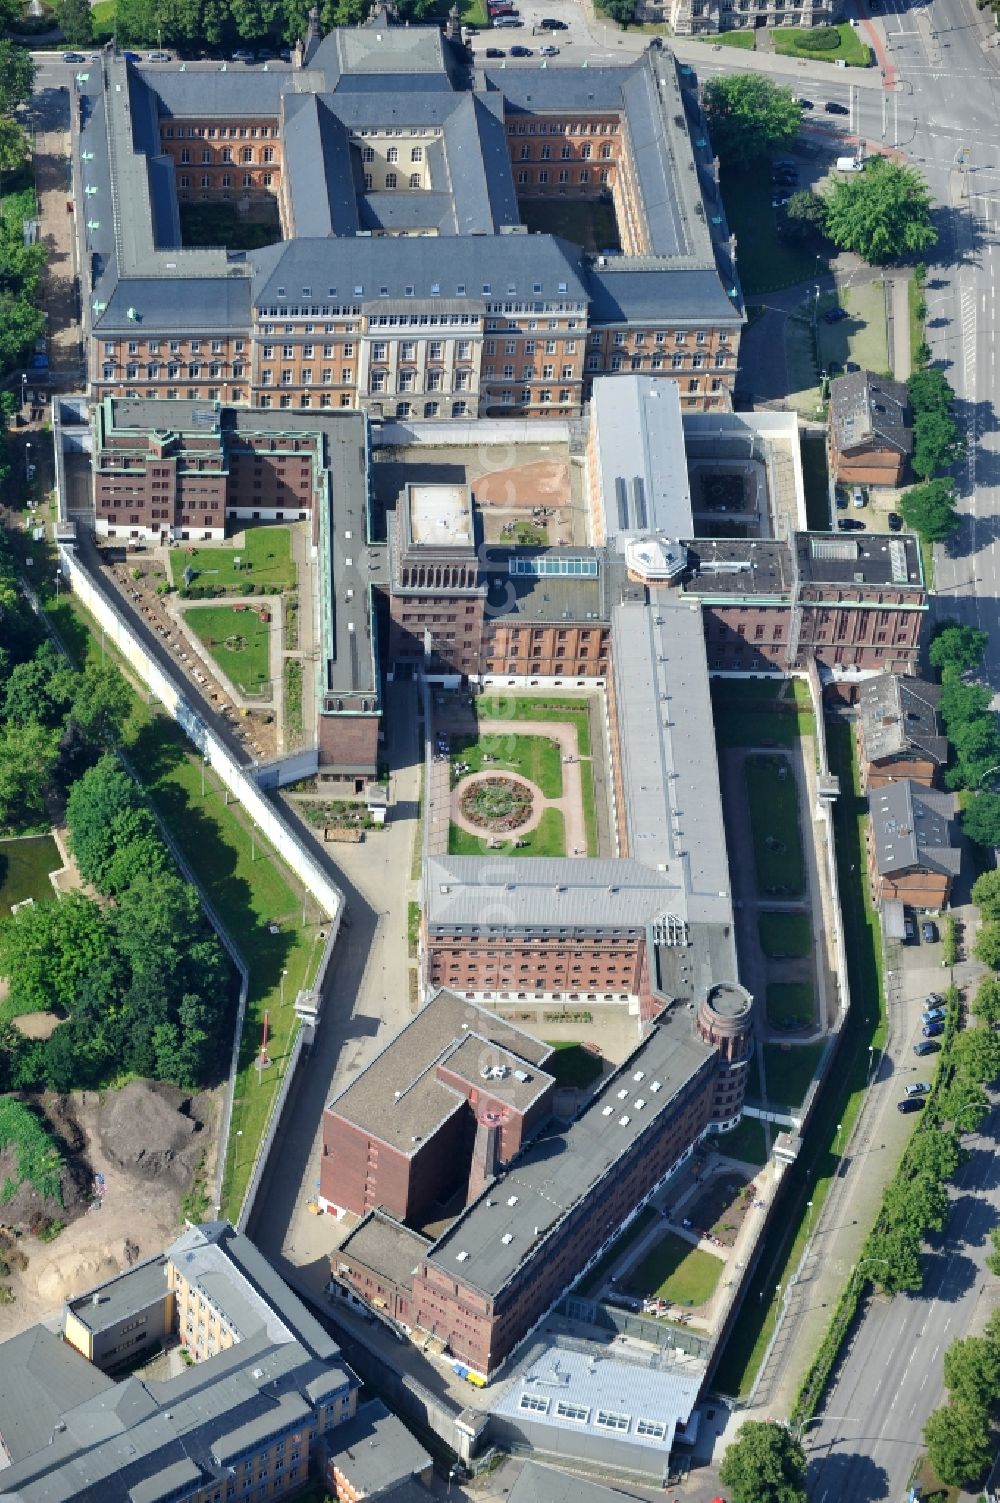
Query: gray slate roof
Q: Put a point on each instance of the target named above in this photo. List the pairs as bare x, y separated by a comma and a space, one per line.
626, 1389
374, 1450
559, 1168
870, 411
41, 1377
544, 1484
554, 891
898, 716
912, 830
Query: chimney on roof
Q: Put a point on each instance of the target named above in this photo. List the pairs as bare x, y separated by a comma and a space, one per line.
485, 1164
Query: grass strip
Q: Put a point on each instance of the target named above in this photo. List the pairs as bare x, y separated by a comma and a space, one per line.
839, 1101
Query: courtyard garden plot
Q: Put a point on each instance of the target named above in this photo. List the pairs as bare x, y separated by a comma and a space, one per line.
238, 639
676, 1272
774, 818
260, 564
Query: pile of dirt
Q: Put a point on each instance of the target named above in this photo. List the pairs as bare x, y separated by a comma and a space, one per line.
149, 1130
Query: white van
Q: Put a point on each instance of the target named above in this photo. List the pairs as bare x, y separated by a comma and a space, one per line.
850, 164
858, 496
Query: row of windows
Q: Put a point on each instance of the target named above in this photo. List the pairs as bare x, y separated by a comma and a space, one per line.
200, 132
541, 176
176, 346
566, 153
559, 128
392, 154
391, 180
225, 154
225, 180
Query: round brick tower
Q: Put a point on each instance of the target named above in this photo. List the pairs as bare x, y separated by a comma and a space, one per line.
725, 1019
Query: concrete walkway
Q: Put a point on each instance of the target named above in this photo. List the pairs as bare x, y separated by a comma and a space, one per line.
898, 310
571, 803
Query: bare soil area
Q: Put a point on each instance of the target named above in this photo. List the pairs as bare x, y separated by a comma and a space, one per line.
131, 1156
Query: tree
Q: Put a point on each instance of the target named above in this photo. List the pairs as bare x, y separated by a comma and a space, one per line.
972, 1372
892, 1259
748, 116
993, 1258
764, 1464
102, 703
977, 1055
930, 510
805, 214
930, 391
27, 757
981, 819
986, 1005
964, 1103
49, 951
958, 1444
39, 690
987, 946
882, 213
14, 149
958, 649
937, 443
622, 11
17, 76
934, 1152
111, 828
75, 22
918, 1204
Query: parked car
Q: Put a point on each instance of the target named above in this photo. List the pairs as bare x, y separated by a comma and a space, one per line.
548, 23
157, 57
73, 57
804, 104
841, 500
132, 57
502, 21
833, 108
785, 162
242, 56
548, 50
834, 315
895, 522
857, 496
917, 1088
521, 52
926, 1047
909, 930
929, 932
779, 200
910, 1104
933, 1015
932, 1030
495, 52
850, 524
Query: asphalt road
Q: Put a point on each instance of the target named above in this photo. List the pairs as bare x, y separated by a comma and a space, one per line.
866, 1444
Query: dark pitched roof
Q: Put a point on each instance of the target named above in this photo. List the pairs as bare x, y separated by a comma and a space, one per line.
898, 716
912, 830
867, 410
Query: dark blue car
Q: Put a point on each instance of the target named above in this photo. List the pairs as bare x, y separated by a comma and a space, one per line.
931, 1030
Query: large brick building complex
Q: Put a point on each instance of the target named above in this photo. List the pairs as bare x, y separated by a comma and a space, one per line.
404, 280
464, 1094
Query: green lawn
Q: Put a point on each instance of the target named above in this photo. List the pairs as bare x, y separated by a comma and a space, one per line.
862, 336
102, 14
523, 707
785, 934
774, 819
788, 40
914, 298
746, 1142
815, 481
788, 1069
767, 261
265, 562
748, 712
585, 222
790, 1004
834, 1114
547, 839
221, 225
674, 1270
572, 1064
594, 1280
245, 880
239, 643
534, 757
744, 38
24, 870
589, 806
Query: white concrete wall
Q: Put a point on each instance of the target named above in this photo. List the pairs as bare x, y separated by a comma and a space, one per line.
170, 693
475, 433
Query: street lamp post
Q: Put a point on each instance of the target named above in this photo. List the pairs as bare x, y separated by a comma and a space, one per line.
24, 389
284, 973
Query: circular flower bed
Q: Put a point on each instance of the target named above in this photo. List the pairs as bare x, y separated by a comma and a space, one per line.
497, 803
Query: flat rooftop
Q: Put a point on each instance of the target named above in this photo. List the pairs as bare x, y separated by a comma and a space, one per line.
384, 1245
490, 1240
440, 516
865, 558
134, 1290
398, 1097
640, 456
